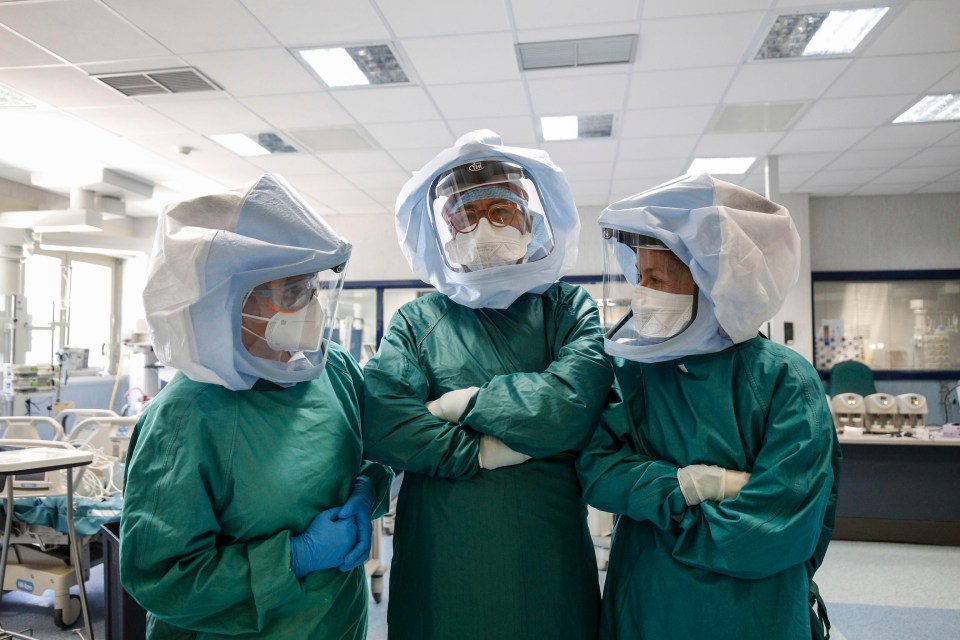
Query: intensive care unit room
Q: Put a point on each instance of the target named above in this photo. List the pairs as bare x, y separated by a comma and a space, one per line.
514, 320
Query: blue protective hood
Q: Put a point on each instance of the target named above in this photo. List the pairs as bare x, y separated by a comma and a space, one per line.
743, 252
209, 252
496, 287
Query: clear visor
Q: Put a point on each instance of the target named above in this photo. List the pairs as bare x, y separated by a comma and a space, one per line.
489, 214
292, 317
649, 295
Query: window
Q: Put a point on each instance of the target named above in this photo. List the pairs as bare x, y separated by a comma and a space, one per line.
71, 303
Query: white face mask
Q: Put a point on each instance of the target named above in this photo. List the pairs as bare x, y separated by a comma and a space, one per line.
657, 314
487, 246
301, 330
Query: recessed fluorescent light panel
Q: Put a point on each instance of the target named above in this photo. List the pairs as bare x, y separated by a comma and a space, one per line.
936, 108
355, 66
721, 166
253, 144
822, 33
10, 99
575, 127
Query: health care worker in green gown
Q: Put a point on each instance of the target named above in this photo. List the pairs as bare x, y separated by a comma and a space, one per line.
483, 394
247, 505
719, 453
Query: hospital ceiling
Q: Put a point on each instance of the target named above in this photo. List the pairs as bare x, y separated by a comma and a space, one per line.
693, 70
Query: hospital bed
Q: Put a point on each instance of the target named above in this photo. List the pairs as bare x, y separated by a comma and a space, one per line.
31, 428
40, 556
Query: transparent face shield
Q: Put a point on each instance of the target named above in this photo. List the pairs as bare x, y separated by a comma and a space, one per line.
488, 213
649, 295
291, 319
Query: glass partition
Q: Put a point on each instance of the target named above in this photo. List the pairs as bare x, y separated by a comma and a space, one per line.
897, 324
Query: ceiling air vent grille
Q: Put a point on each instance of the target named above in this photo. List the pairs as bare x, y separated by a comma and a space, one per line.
576, 53
161, 81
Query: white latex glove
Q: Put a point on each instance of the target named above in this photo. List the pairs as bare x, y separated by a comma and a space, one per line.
699, 482
494, 454
450, 406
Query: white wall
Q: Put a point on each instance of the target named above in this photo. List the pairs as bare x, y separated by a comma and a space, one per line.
885, 233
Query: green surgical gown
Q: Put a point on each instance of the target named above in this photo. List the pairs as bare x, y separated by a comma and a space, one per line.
735, 569
490, 554
218, 481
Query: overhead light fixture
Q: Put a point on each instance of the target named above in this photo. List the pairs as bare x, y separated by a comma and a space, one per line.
253, 144
576, 53
935, 108
575, 127
721, 166
355, 66
821, 33
10, 99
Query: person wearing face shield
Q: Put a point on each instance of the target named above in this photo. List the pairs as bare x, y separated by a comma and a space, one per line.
718, 452
247, 505
483, 394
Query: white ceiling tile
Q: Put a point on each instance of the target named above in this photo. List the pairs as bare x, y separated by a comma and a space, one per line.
586, 150
849, 112
319, 184
895, 136
674, 146
535, 14
256, 72
350, 201
581, 96
299, 110
409, 18
388, 104
379, 180
917, 174
713, 145
681, 43
805, 162
211, 25
300, 23
672, 8
587, 171
784, 80
935, 156
140, 64
387, 197
213, 116
791, 182
61, 87
833, 177
639, 123
941, 186
415, 159
824, 191
16, 51
411, 135
359, 161
291, 164
481, 100
635, 170
459, 62
515, 132
679, 87
819, 141
128, 120
884, 188
78, 30
908, 74
950, 83
620, 189
952, 140
937, 20
872, 159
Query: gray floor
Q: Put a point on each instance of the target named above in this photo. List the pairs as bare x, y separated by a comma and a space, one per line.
874, 591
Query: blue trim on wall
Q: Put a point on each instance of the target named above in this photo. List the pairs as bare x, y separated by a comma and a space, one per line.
873, 276
893, 374
386, 284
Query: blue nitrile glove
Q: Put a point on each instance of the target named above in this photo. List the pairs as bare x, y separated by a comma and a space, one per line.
324, 544
359, 507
